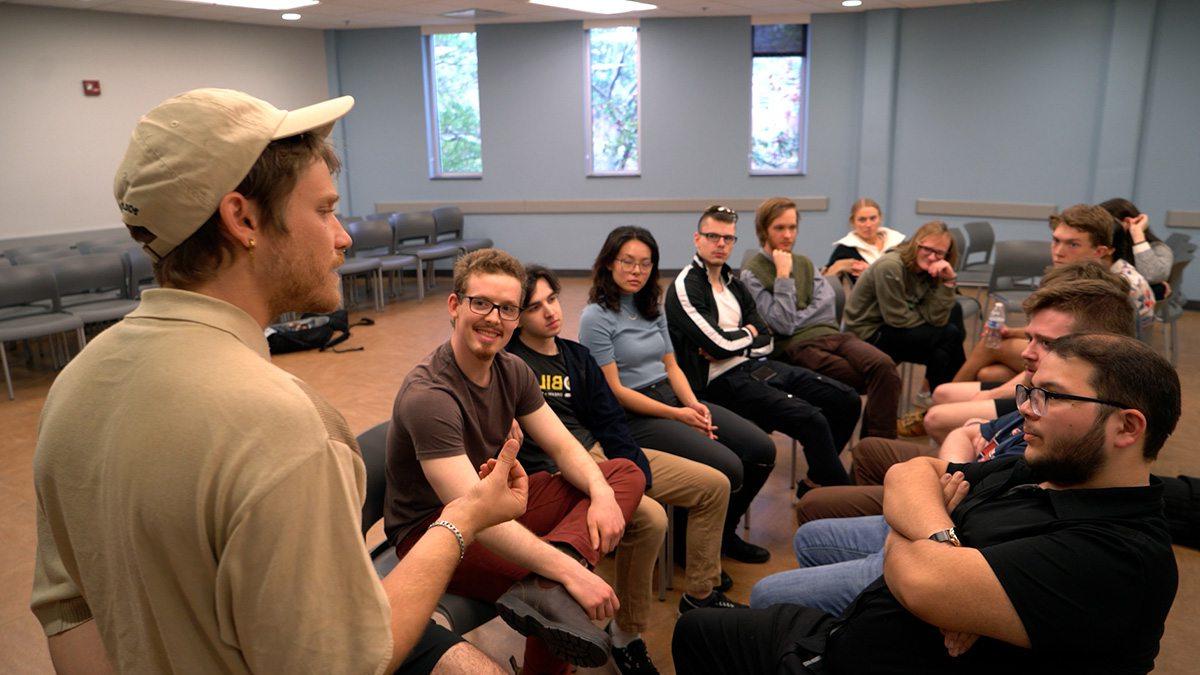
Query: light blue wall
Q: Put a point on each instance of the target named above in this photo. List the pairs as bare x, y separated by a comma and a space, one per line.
1168, 175
1022, 101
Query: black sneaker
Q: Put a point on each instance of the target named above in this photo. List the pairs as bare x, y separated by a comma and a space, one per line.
736, 548
633, 659
726, 582
715, 600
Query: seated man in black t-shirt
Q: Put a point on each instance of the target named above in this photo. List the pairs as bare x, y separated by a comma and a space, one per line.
575, 389
1056, 562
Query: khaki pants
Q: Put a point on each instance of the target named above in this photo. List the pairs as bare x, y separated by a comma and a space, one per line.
702, 490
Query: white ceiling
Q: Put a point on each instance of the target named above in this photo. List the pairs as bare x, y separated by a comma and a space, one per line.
384, 13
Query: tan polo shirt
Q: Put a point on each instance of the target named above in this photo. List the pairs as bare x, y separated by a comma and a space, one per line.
202, 505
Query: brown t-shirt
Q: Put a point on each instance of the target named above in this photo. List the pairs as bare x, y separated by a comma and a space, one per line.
439, 412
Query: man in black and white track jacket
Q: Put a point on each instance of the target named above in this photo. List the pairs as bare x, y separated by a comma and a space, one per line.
721, 343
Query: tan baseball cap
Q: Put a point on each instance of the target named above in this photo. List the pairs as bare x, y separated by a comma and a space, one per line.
192, 149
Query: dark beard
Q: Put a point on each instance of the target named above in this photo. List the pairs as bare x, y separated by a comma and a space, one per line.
1071, 462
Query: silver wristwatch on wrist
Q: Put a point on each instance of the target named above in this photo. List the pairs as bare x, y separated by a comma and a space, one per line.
946, 537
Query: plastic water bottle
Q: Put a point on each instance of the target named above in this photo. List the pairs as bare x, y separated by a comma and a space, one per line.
992, 330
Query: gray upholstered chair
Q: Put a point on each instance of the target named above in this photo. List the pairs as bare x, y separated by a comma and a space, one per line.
32, 255
977, 277
416, 234
140, 271
1169, 309
982, 240
22, 289
448, 225
1017, 270
94, 287
373, 239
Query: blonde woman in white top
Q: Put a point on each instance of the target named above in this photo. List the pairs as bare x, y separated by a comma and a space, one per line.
867, 241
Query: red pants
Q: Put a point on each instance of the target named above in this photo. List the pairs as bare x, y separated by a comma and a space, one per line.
557, 513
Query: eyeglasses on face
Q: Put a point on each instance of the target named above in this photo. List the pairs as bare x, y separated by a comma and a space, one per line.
935, 252
629, 265
717, 208
483, 307
1037, 398
714, 238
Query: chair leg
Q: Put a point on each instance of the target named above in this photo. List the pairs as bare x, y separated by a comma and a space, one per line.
907, 388
746, 520
670, 547
8, 376
663, 573
1174, 342
82, 337
380, 300
420, 281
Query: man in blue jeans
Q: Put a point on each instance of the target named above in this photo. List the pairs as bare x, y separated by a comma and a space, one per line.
839, 557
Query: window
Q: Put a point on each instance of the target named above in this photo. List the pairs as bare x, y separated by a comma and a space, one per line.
452, 101
614, 129
778, 108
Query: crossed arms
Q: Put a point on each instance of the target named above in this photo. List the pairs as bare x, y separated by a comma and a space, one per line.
949, 587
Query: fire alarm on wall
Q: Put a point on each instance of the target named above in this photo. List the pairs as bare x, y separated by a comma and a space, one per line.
91, 87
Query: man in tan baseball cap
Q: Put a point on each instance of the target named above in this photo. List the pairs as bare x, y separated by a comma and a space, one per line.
199, 509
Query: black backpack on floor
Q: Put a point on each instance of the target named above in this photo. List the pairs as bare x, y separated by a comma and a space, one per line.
313, 331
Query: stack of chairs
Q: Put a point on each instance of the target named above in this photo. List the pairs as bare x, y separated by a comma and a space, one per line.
48, 291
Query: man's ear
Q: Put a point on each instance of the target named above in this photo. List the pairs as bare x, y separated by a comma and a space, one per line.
1131, 428
452, 304
240, 219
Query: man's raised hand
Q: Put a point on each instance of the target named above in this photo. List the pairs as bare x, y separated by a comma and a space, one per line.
503, 488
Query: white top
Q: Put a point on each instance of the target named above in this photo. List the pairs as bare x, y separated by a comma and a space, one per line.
870, 254
729, 317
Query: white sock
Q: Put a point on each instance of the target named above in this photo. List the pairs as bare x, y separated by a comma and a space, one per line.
620, 638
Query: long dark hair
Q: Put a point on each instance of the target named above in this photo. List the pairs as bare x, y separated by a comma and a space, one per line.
1122, 243
1122, 209
604, 290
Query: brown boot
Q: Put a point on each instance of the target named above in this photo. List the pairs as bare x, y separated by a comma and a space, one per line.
548, 612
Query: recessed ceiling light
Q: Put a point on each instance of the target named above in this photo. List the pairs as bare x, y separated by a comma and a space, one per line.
851, 3
474, 13
276, 5
290, 16
597, 6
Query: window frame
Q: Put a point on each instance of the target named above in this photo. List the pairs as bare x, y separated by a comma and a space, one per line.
433, 141
589, 159
802, 129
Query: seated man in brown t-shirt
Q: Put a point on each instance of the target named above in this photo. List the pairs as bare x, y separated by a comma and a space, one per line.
452, 414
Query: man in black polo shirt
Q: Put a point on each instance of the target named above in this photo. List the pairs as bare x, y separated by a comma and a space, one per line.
1056, 562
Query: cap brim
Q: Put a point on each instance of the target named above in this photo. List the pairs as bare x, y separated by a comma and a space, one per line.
318, 117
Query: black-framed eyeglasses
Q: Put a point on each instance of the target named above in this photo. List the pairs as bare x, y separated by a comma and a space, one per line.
714, 238
629, 264
936, 253
724, 210
483, 307
1038, 397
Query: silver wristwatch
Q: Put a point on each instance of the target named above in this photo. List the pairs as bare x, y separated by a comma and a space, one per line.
946, 537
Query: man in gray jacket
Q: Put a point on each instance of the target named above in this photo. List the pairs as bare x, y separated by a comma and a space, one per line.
798, 304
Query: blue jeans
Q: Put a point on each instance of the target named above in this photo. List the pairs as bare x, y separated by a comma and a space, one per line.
839, 557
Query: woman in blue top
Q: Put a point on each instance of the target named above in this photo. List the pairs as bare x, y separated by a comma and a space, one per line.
624, 328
